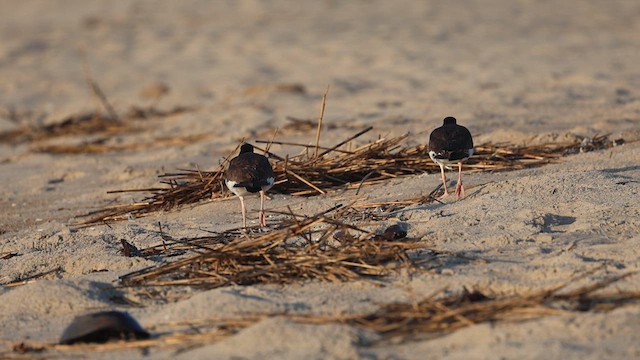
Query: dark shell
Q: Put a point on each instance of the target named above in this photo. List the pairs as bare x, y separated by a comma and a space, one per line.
392, 233
101, 327
395, 232
128, 249
473, 296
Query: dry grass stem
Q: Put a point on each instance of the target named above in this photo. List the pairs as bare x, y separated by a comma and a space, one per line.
369, 164
397, 322
97, 91
91, 123
296, 249
319, 130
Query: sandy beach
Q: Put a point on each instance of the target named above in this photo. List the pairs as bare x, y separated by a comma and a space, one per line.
198, 77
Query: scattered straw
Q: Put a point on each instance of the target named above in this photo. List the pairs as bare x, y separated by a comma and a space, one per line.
91, 123
100, 146
402, 322
242, 259
369, 164
427, 318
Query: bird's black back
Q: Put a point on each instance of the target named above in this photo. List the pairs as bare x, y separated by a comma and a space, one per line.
250, 170
451, 141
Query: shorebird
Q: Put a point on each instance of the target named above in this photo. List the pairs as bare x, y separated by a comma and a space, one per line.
249, 173
450, 144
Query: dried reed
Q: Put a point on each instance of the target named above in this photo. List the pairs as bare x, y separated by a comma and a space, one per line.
431, 317
427, 318
90, 123
100, 146
335, 168
233, 258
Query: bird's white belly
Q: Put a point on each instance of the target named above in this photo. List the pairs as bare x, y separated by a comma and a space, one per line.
242, 191
446, 162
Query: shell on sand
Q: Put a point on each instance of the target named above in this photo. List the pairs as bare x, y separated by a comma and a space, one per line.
101, 327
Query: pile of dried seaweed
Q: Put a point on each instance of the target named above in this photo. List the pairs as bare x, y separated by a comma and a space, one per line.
335, 168
300, 248
101, 124
90, 123
434, 317
398, 322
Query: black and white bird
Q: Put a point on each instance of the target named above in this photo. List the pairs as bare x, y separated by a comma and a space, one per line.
250, 173
448, 145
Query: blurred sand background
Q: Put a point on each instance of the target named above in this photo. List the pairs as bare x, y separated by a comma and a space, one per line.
511, 71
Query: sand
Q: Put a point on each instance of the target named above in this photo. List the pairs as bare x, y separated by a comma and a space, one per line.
523, 72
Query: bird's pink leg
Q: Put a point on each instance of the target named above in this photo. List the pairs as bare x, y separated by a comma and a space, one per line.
263, 218
244, 213
444, 181
459, 187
